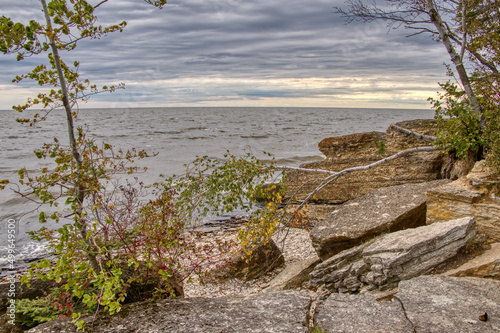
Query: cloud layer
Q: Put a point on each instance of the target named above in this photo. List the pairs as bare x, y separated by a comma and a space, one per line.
243, 53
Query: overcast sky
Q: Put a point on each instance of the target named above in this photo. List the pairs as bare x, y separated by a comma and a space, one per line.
242, 53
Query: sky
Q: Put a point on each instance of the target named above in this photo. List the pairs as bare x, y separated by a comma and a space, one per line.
232, 53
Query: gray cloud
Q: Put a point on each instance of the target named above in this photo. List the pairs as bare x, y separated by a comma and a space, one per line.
226, 51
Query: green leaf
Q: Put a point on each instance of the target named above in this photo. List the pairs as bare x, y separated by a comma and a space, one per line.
42, 218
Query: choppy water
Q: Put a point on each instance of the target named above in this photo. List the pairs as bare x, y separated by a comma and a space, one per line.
178, 135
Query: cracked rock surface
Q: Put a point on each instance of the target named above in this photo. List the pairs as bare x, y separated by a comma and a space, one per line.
450, 304
393, 257
361, 313
426, 304
271, 312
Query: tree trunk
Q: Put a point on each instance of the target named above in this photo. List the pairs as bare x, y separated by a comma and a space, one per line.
455, 57
79, 188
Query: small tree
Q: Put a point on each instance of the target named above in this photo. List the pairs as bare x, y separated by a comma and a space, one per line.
422, 16
118, 238
58, 33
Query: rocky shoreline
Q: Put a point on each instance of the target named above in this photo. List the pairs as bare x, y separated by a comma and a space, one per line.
396, 248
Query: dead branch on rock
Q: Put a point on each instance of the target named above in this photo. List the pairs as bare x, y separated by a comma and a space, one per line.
363, 167
334, 175
424, 137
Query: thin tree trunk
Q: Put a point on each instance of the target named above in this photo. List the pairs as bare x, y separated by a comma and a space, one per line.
79, 188
424, 137
455, 57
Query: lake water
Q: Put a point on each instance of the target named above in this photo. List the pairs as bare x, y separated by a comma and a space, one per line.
177, 135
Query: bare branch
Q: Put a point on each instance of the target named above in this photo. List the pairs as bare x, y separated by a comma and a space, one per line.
464, 28
100, 3
308, 170
335, 175
398, 13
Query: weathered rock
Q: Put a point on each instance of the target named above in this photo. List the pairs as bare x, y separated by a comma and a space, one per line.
454, 168
391, 258
335, 270
7, 327
476, 194
365, 148
450, 304
384, 210
425, 304
350, 145
266, 312
371, 142
293, 275
344, 313
412, 252
487, 265
264, 258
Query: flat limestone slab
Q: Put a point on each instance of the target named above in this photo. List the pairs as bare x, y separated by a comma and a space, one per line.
266, 312
427, 304
450, 304
346, 313
384, 210
486, 265
293, 275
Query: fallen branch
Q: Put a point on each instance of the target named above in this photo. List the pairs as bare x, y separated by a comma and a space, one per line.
424, 137
364, 167
335, 175
287, 168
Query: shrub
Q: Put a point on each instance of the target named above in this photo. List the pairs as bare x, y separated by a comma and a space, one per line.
144, 248
458, 125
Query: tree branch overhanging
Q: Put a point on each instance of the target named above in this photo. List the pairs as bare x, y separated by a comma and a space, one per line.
423, 16
333, 176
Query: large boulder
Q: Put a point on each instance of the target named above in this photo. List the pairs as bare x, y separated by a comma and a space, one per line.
384, 210
447, 304
265, 312
365, 148
393, 257
425, 304
476, 194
